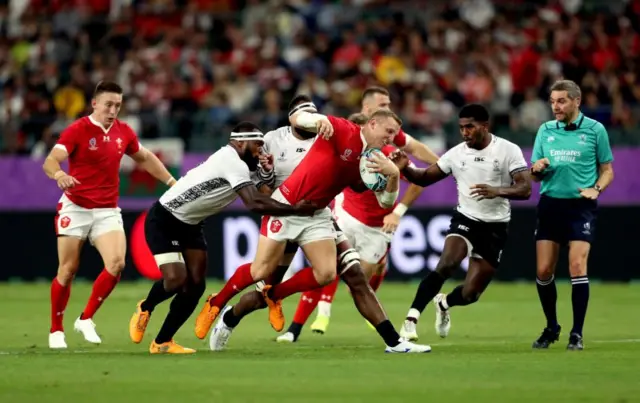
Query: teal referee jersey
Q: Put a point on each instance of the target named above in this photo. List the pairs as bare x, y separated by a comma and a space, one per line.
574, 151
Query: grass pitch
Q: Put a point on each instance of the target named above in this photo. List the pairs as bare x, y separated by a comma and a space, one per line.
486, 358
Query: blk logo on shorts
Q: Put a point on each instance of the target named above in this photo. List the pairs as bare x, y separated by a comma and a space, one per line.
276, 225
65, 221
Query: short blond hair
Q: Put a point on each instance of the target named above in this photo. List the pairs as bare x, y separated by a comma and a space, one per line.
358, 118
573, 89
385, 113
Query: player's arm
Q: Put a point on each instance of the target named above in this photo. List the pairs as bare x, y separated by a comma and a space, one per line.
411, 195
60, 152
313, 122
539, 162
380, 163
419, 150
520, 188
260, 203
424, 176
152, 164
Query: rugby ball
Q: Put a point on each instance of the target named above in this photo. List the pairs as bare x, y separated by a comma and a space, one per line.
372, 180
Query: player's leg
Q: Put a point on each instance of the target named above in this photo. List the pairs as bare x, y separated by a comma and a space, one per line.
184, 303
582, 231
69, 248
551, 233
268, 256
112, 246
367, 303
456, 248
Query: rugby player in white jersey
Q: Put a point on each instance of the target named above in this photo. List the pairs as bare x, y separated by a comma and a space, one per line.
173, 230
489, 171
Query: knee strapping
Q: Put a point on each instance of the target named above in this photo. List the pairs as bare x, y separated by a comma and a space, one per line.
347, 259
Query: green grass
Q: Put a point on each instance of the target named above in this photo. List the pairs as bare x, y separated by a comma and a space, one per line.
486, 358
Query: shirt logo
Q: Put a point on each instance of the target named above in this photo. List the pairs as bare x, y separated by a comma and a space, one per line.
92, 144
119, 141
496, 165
583, 139
478, 159
346, 154
282, 156
300, 150
106, 139
550, 139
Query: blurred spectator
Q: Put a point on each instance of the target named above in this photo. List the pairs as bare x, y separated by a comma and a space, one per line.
193, 68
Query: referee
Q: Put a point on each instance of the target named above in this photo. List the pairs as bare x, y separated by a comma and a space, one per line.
572, 160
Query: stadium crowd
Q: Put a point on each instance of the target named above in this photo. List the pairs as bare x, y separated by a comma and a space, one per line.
193, 68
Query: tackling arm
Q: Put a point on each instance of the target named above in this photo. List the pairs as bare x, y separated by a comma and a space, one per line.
420, 151
260, 203
389, 195
152, 164
424, 176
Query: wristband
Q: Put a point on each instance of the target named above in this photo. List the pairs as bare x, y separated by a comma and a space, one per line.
400, 209
171, 181
59, 174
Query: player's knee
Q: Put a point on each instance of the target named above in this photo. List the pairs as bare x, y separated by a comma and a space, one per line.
115, 265
174, 278
326, 276
260, 271
446, 267
66, 272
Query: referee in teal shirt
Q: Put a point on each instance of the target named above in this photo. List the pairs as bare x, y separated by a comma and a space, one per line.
572, 160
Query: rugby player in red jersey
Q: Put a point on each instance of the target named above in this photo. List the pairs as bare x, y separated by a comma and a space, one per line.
330, 166
88, 208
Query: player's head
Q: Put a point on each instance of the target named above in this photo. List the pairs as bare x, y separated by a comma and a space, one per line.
247, 138
474, 124
373, 99
302, 103
106, 102
381, 127
565, 100
359, 118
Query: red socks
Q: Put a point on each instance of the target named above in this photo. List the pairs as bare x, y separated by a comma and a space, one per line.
240, 280
329, 290
102, 287
301, 281
307, 304
59, 298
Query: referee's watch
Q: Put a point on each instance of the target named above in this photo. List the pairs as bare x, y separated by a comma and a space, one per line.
598, 188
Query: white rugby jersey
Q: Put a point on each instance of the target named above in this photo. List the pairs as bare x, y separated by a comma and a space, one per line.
208, 188
491, 166
287, 150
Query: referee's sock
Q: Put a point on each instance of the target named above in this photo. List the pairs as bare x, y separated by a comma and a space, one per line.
579, 301
548, 296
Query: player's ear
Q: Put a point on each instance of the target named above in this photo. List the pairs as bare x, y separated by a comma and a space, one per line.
93, 102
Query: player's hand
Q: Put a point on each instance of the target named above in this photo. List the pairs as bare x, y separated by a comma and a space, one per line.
541, 165
266, 161
67, 181
400, 158
381, 164
482, 192
589, 193
390, 223
305, 208
324, 128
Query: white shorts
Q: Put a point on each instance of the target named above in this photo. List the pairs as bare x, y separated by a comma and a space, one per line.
83, 223
370, 242
301, 230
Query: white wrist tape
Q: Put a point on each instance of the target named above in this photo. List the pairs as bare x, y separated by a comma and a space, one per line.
400, 209
171, 181
389, 198
307, 120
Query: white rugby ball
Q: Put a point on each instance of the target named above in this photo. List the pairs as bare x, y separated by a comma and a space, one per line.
372, 180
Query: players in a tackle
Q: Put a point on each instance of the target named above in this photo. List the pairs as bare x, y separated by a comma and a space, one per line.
88, 208
489, 171
173, 230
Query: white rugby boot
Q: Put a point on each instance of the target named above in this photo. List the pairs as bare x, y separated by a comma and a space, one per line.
88, 330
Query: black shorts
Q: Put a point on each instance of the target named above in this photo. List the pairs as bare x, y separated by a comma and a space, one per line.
564, 220
487, 239
165, 233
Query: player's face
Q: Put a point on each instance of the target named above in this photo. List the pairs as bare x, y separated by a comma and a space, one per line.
106, 107
376, 102
472, 132
380, 132
562, 106
252, 151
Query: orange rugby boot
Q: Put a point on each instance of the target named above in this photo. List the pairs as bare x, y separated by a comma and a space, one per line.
170, 347
138, 323
276, 316
205, 318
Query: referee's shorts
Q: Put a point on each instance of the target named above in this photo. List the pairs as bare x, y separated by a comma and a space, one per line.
565, 220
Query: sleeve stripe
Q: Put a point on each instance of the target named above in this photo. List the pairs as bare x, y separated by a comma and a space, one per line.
61, 147
519, 169
242, 185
